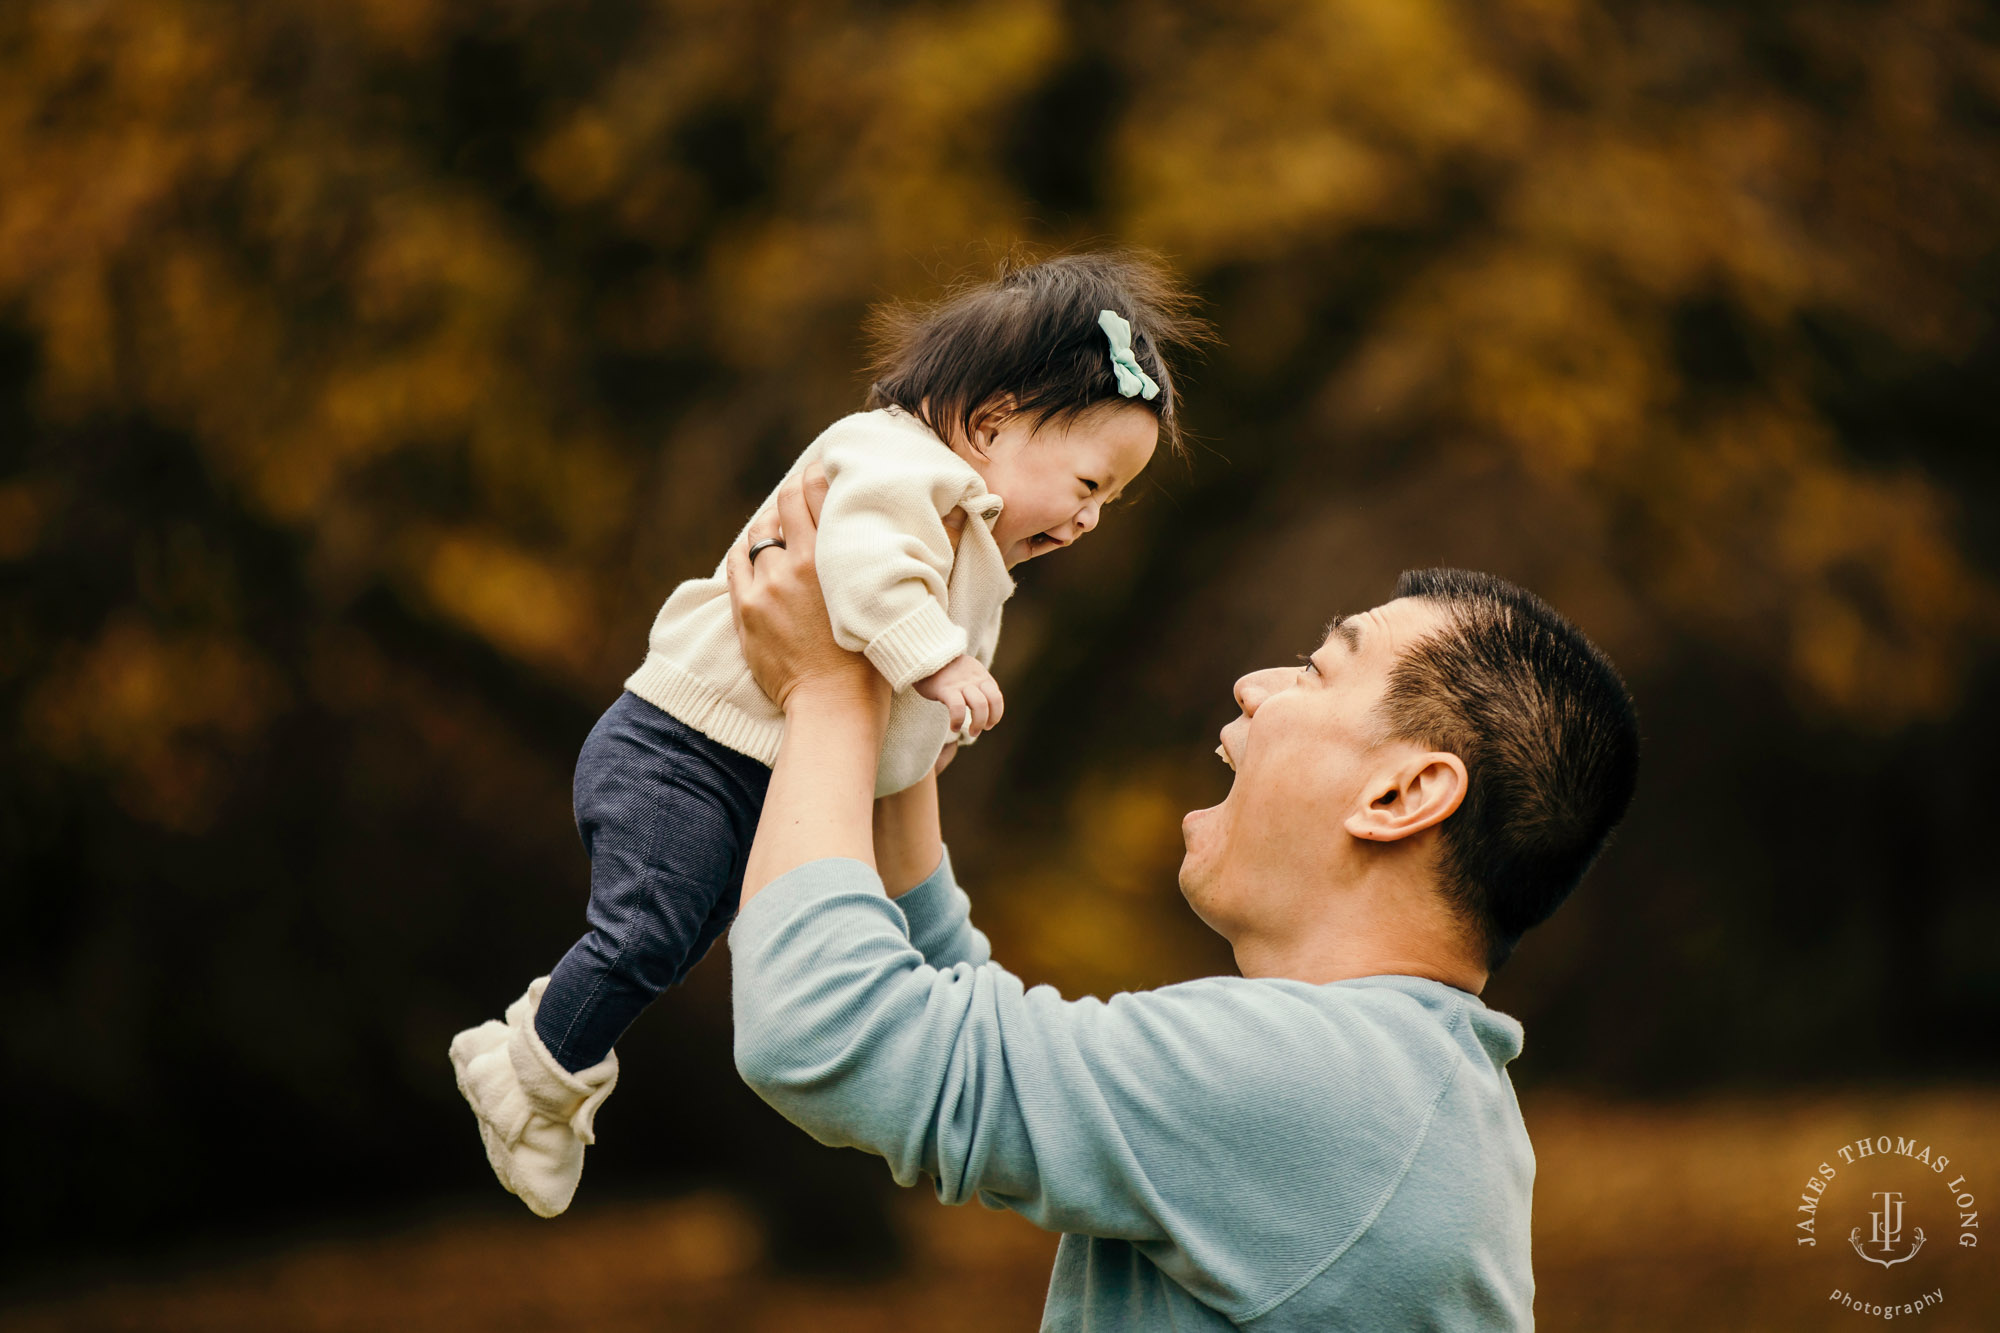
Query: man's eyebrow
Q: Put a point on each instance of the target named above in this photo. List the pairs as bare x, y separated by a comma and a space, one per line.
1348, 628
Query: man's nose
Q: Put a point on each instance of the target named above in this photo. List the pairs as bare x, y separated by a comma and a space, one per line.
1252, 690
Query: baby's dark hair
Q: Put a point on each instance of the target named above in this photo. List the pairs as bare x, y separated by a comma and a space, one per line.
1032, 333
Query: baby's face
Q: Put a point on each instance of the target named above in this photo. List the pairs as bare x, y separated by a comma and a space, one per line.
1057, 480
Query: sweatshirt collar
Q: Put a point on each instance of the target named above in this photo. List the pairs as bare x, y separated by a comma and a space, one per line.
1500, 1034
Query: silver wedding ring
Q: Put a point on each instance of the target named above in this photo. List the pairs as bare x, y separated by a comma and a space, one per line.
755, 547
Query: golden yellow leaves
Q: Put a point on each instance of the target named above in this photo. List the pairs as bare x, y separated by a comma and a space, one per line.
1290, 125
1092, 920
1856, 575
1127, 830
530, 609
26, 508
582, 161
884, 130
1558, 332
163, 715
303, 297
208, 220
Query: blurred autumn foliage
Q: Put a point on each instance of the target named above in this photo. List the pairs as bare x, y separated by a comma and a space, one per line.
370, 372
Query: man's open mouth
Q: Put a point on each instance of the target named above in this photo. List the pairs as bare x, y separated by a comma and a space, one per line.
1224, 754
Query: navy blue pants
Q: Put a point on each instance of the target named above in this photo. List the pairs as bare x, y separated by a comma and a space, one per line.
667, 817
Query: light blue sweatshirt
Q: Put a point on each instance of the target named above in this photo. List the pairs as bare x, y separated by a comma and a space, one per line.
1223, 1153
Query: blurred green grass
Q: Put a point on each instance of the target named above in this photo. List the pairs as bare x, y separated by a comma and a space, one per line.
1647, 1217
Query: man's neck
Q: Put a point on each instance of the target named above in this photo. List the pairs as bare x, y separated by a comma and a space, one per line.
1364, 931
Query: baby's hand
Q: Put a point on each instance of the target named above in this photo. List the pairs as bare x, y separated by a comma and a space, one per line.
968, 690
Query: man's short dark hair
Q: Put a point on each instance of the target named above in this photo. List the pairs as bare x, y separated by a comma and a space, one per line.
1548, 735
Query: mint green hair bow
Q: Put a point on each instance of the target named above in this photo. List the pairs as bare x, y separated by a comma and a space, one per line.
1131, 379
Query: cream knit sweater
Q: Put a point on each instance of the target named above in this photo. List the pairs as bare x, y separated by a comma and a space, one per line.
895, 591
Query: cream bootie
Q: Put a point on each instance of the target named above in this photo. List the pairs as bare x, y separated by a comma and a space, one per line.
534, 1115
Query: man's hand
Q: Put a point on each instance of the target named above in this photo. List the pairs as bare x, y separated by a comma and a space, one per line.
968, 690
780, 613
836, 705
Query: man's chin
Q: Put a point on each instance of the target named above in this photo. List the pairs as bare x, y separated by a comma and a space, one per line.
1194, 817
1196, 859
1194, 883
1205, 832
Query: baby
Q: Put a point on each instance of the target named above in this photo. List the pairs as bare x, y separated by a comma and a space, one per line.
1002, 420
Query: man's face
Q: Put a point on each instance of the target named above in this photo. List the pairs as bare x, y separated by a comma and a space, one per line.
1307, 751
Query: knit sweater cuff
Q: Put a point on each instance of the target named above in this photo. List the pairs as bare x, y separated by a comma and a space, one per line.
920, 643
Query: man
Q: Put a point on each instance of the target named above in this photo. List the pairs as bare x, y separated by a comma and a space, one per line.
1330, 1140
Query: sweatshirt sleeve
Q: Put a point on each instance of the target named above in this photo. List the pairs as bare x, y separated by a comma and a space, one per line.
883, 553
845, 1029
1112, 1119
939, 915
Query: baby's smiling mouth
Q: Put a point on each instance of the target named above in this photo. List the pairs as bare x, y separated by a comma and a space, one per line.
1042, 541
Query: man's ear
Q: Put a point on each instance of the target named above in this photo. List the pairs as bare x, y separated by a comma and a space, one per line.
986, 422
1419, 793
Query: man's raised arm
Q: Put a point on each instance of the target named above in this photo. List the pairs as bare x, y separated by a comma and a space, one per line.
949, 1067
916, 870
